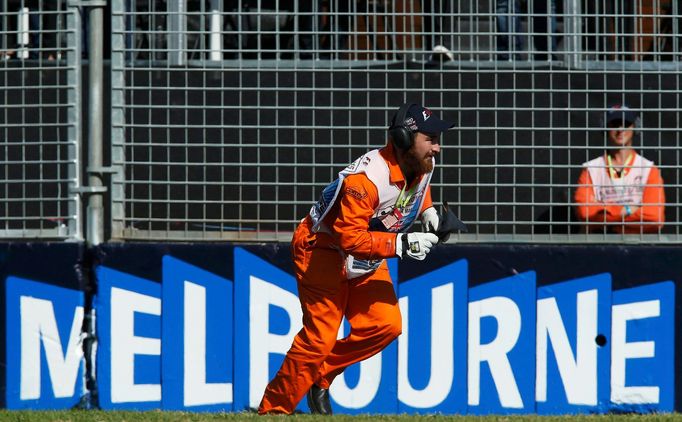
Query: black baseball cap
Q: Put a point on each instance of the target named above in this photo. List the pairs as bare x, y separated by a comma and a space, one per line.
421, 119
620, 113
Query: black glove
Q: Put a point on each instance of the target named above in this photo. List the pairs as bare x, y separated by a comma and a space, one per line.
449, 223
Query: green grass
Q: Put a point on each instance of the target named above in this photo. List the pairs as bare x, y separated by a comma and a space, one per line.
102, 416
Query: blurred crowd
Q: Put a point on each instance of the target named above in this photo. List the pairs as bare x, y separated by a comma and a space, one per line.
365, 30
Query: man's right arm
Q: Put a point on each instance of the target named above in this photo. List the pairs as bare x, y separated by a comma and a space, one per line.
587, 207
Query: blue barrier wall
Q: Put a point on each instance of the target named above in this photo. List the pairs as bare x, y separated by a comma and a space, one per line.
43, 303
497, 329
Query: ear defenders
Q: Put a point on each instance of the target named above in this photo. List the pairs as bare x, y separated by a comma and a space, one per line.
402, 136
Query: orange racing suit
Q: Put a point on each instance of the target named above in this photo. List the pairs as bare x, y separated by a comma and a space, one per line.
339, 252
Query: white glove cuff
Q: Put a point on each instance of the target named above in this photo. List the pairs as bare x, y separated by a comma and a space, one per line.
399, 245
430, 219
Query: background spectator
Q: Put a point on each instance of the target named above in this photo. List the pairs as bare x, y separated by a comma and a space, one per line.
620, 191
440, 29
543, 28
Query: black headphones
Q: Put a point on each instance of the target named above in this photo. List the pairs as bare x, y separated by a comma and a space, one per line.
402, 136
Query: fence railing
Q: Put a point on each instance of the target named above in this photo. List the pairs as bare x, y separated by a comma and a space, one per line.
229, 117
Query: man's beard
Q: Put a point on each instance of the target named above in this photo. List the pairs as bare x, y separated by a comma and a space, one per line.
418, 166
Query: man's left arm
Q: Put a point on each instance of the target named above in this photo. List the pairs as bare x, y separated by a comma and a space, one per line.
652, 210
428, 203
428, 213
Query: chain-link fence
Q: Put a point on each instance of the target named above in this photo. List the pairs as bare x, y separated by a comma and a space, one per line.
229, 117
40, 120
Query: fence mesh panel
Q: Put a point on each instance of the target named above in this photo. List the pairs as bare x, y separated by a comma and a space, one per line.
228, 118
39, 120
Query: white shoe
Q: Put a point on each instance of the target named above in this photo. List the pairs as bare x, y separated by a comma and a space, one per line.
440, 52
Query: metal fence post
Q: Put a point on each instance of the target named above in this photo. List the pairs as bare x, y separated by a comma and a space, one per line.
177, 32
95, 189
573, 32
120, 52
75, 130
216, 30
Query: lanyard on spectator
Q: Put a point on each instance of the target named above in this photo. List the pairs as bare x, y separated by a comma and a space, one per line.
612, 171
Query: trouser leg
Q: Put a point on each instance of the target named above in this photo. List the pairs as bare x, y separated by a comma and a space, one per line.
375, 321
508, 29
323, 295
544, 28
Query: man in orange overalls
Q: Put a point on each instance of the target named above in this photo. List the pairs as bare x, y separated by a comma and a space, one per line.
339, 253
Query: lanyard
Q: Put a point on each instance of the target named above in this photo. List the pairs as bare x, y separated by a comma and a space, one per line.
612, 171
405, 197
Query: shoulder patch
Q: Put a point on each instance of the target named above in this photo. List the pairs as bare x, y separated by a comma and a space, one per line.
356, 192
352, 166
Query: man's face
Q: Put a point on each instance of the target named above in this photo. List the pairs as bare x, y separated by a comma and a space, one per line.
621, 133
425, 147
